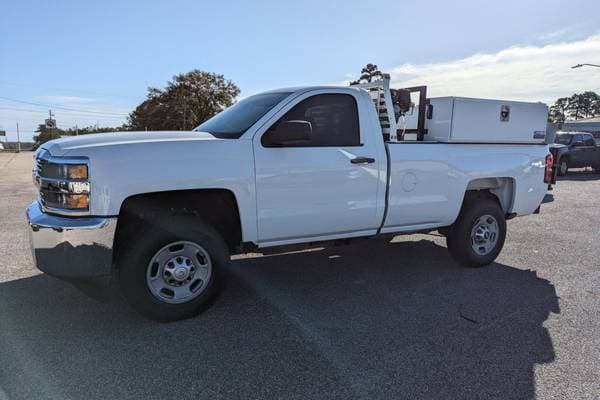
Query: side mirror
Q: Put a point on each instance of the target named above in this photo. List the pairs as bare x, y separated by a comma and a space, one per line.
293, 132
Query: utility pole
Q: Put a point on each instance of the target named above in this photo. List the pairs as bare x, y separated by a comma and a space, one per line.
18, 139
50, 123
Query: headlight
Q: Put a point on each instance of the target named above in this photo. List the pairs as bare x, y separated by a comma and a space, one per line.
54, 170
77, 171
63, 184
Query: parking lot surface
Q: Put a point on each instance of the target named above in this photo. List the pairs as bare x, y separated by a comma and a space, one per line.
372, 320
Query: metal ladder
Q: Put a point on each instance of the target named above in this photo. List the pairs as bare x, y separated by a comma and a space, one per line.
382, 98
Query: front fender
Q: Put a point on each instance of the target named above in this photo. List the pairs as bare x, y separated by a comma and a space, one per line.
120, 171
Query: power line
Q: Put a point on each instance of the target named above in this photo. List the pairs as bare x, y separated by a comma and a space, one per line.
63, 108
66, 90
65, 113
101, 116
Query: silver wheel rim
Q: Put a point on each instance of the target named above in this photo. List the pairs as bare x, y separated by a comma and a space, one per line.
563, 167
484, 235
179, 272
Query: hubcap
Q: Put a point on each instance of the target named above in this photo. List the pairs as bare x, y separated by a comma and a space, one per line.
484, 234
179, 272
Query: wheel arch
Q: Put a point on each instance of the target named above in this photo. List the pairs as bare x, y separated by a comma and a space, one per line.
501, 189
217, 207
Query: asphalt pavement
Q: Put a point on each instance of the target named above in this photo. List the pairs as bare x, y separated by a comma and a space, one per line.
373, 320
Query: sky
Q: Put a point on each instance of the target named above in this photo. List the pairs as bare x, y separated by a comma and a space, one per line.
92, 62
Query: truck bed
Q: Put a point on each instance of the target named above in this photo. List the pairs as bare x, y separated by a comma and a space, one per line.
428, 180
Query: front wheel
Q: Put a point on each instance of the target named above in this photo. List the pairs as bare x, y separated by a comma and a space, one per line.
175, 269
477, 236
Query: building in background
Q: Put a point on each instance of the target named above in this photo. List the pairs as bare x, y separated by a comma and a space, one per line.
591, 125
14, 146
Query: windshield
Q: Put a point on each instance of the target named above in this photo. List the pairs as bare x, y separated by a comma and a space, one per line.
235, 120
563, 139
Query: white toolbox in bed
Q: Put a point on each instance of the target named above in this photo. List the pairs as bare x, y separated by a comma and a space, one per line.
460, 119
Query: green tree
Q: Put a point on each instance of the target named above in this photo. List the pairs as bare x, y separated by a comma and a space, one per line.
577, 106
188, 100
558, 110
369, 72
45, 134
583, 105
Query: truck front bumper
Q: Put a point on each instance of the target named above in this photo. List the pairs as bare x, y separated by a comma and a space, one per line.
71, 248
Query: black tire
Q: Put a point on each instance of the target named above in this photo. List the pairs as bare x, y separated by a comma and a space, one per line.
563, 166
459, 238
156, 232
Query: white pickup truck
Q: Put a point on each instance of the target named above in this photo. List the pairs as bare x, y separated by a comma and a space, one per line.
163, 211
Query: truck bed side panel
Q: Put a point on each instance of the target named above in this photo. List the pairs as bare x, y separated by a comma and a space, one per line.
429, 180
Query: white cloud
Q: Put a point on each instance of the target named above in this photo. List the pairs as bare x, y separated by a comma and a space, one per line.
532, 73
556, 35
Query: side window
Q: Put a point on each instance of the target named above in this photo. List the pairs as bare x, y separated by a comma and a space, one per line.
588, 140
332, 120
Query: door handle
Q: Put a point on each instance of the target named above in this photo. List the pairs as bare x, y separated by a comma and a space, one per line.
362, 160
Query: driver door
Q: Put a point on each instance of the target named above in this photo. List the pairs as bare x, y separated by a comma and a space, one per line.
326, 185
578, 152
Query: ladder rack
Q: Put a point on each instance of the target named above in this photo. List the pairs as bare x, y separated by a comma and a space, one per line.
385, 107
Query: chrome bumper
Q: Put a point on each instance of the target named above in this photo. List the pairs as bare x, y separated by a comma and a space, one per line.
74, 248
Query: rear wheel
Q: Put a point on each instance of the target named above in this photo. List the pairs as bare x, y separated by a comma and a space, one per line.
563, 166
175, 270
477, 236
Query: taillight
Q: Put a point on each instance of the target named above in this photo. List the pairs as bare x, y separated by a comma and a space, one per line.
548, 171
